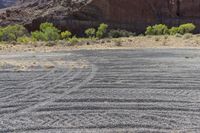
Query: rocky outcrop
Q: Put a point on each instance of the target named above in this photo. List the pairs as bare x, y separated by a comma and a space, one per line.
77, 15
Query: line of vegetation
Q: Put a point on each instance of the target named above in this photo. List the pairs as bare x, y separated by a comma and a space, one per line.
161, 29
48, 32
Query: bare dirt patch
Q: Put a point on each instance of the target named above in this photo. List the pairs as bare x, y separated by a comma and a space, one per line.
185, 41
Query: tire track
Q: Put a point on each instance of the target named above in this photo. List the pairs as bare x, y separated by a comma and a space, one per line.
142, 91
103, 120
27, 82
76, 87
34, 88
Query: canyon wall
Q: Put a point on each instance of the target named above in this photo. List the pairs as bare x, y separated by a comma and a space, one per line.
76, 15
137, 14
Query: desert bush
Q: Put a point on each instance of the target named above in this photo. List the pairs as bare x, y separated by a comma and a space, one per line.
47, 33
52, 34
25, 39
66, 35
174, 30
73, 41
90, 32
150, 31
120, 33
39, 36
101, 32
186, 28
159, 29
46, 26
12, 32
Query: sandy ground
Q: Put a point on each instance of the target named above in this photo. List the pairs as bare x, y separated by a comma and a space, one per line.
187, 41
139, 42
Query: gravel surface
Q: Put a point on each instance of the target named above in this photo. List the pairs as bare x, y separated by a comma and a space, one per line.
102, 91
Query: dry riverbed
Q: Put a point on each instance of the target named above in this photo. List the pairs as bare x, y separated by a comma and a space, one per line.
186, 41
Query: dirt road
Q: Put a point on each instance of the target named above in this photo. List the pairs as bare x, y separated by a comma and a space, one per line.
149, 90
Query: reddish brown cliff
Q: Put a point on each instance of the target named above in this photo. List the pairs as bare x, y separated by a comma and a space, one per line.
77, 15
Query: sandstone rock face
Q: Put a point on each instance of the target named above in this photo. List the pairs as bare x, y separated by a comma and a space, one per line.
137, 14
77, 15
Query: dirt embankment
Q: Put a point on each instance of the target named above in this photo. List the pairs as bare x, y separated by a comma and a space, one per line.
186, 41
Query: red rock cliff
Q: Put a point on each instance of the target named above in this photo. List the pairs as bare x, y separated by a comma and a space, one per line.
133, 15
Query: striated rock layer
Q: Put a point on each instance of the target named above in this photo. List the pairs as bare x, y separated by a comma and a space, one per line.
77, 15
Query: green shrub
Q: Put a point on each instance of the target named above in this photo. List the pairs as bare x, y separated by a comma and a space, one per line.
39, 36
74, 40
150, 31
52, 34
12, 32
186, 28
25, 39
90, 32
159, 29
120, 33
174, 30
101, 32
47, 33
66, 34
45, 26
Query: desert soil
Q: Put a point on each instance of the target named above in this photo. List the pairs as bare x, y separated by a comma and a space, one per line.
95, 91
186, 41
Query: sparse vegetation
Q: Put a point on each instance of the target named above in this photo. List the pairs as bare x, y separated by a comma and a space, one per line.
66, 35
25, 39
162, 29
101, 32
159, 29
12, 32
91, 32
74, 40
48, 32
186, 28
49, 35
174, 30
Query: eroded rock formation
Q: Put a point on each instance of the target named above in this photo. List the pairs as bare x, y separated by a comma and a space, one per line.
77, 15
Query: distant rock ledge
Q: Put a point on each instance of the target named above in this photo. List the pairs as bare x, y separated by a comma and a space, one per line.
77, 15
